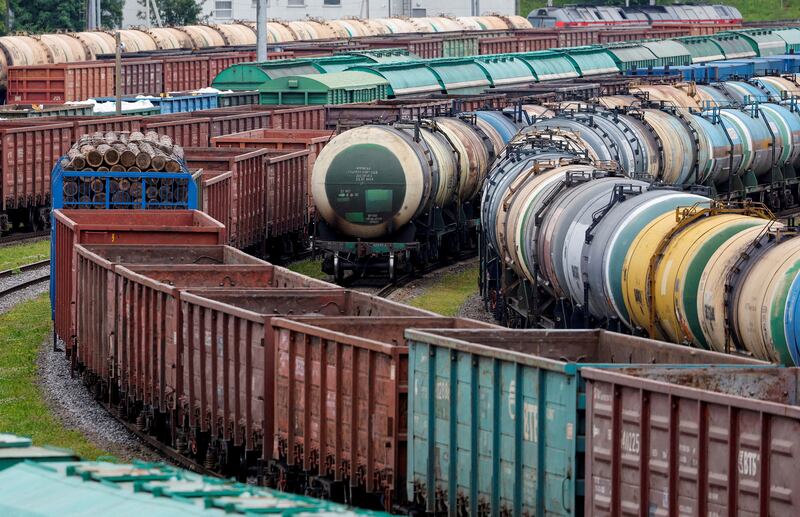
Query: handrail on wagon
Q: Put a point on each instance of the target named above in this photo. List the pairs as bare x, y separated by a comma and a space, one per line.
685, 217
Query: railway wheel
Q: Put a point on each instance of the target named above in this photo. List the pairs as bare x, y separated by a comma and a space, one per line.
338, 271
34, 222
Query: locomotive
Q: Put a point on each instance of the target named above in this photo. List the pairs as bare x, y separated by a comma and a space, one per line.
621, 17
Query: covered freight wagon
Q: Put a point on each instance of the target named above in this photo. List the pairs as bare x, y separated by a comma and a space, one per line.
333, 88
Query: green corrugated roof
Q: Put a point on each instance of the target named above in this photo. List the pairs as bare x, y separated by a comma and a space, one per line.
764, 41
387, 55
349, 80
733, 45
17, 449
591, 60
550, 65
249, 76
343, 80
667, 48
99, 488
460, 75
633, 55
505, 70
790, 36
702, 48
406, 78
338, 63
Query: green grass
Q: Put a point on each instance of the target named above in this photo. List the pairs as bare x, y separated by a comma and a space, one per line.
23, 410
16, 255
309, 267
447, 295
756, 10
752, 10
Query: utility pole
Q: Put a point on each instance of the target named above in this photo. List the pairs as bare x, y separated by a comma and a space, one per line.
151, 4
90, 16
118, 72
261, 31
93, 10
98, 9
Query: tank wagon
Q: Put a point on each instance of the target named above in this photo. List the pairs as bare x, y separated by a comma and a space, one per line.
394, 198
25, 187
577, 233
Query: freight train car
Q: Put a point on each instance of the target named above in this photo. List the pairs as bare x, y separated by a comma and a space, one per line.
498, 421
394, 198
34, 145
752, 52
84, 46
78, 487
611, 16
725, 424
326, 391
25, 186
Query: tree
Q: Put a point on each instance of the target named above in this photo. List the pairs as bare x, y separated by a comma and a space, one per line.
64, 15
111, 15
176, 12
29, 15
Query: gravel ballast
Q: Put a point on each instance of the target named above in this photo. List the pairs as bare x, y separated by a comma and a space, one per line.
73, 405
419, 286
67, 397
474, 308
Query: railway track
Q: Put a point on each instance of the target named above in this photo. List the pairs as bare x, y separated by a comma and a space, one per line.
21, 237
391, 287
164, 450
24, 284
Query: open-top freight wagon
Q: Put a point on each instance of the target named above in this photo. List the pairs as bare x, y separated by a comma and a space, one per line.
253, 371
33, 146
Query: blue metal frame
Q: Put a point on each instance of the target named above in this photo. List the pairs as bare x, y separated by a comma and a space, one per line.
58, 190
59, 174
